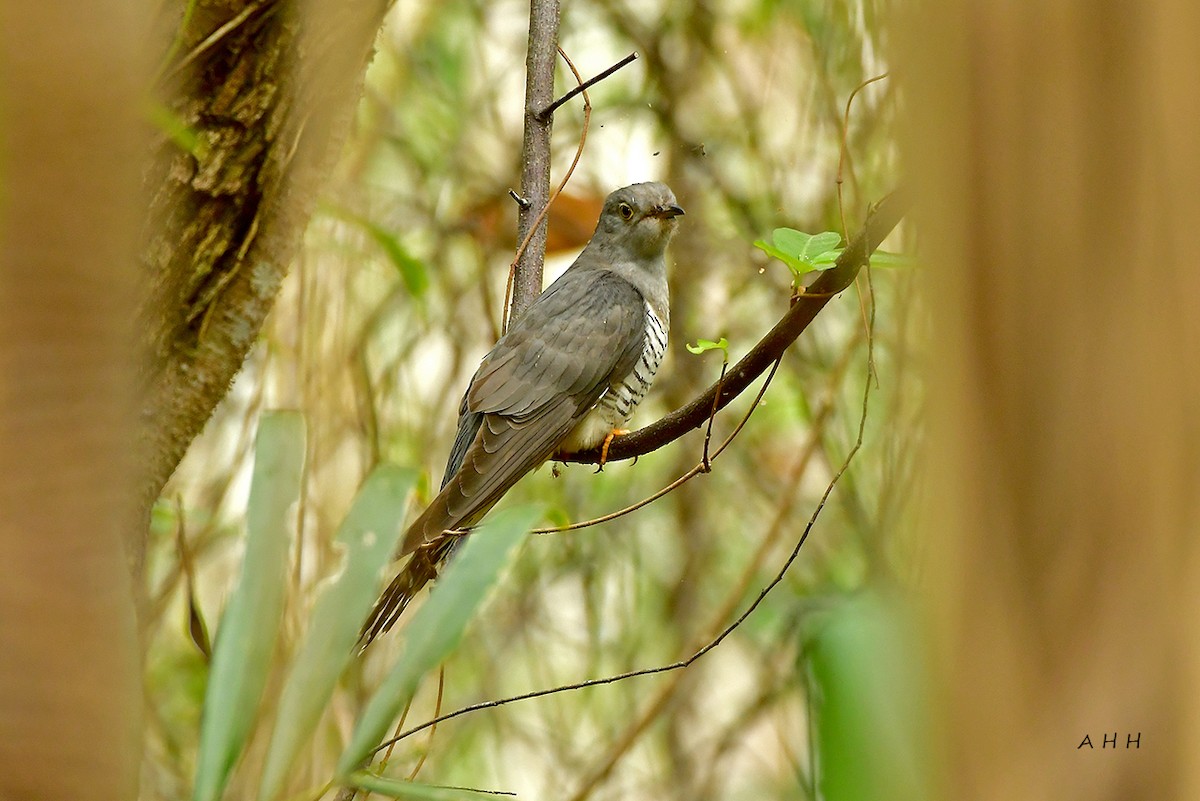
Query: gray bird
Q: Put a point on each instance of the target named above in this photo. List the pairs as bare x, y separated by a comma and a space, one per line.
565, 377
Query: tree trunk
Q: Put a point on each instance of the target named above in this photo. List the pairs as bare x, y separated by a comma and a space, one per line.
264, 94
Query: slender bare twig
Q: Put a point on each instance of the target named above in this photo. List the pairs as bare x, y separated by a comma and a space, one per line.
585, 85
787, 498
437, 710
711, 644
706, 461
696, 470
844, 153
844, 160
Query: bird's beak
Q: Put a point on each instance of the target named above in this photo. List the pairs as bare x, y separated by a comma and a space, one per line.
668, 212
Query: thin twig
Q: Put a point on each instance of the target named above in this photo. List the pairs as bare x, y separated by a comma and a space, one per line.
843, 160
387, 757
706, 462
844, 152
733, 597
595, 521
677, 483
584, 86
437, 710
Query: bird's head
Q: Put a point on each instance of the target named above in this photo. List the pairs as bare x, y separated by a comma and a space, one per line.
640, 219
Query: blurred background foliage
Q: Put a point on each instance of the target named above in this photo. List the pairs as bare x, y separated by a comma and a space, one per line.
398, 293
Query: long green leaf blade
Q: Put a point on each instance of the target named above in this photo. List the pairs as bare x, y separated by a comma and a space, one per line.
367, 538
250, 624
412, 791
438, 625
872, 735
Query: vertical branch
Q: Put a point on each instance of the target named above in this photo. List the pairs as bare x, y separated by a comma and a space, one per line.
535, 172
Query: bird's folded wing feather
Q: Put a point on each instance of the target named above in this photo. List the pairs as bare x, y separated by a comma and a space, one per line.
533, 388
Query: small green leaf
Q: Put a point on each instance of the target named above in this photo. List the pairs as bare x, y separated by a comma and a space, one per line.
399, 788
802, 246
802, 252
437, 626
827, 259
797, 267
252, 617
703, 345
412, 270
367, 538
882, 258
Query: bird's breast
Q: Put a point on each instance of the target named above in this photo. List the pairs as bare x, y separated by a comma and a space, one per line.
622, 397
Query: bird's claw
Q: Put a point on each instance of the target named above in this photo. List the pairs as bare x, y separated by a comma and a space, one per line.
616, 432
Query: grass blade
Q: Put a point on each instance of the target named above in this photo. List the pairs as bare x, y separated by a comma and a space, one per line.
870, 700
438, 625
250, 623
367, 538
412, 791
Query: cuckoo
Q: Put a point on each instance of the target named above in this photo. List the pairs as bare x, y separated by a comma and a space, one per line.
565, 377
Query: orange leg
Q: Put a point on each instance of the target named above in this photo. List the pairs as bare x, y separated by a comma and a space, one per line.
616, 432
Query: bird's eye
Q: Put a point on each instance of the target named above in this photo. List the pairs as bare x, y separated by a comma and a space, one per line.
626, 211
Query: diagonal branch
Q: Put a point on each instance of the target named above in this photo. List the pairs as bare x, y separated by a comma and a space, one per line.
879, 223
585, 85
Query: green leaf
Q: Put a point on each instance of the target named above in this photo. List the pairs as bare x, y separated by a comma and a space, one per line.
251, 622
703, 345
399, 788
802, 246
882, 258
879, 258
861, 709
797, 267
412, 270
437, 626
367, 538
827, 259
801, 252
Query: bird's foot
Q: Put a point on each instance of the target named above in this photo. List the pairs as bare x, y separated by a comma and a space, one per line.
616, 432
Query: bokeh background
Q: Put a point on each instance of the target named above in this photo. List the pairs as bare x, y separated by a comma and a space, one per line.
397, 294
999, 598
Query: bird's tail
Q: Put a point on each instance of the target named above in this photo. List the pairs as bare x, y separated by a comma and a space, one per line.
422, 567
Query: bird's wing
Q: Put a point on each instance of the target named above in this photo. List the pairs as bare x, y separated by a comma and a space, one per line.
531, 390
587, 327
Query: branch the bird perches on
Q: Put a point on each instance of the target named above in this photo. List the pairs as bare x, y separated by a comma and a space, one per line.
884, 216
